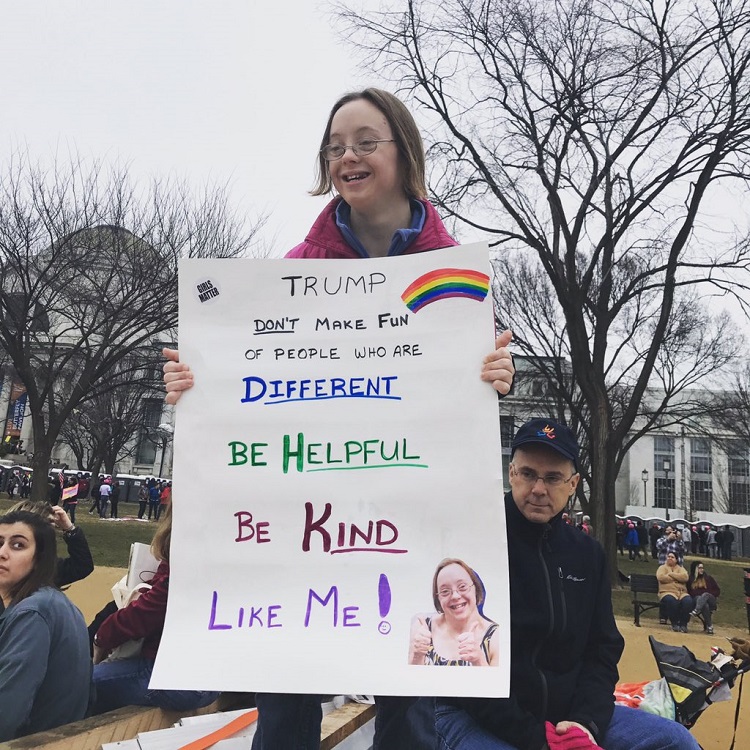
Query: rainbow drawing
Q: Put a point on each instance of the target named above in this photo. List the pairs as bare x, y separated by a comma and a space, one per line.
443, 283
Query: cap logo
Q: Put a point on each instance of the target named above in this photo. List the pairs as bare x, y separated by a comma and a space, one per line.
548, 432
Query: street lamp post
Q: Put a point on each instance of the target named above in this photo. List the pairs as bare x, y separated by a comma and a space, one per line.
644, 477
667, 467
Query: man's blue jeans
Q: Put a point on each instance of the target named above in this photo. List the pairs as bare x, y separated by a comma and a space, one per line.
125, 683
287, 721
630, 729
292, 722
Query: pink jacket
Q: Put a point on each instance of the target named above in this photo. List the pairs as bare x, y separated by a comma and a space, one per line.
324, 240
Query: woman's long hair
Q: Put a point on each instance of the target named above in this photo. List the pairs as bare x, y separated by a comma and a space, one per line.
694, 580
163, 536
45, 555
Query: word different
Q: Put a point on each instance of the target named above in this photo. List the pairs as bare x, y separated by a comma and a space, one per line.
282, 391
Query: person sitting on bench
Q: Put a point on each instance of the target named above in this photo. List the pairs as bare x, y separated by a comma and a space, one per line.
676, 603
705, 591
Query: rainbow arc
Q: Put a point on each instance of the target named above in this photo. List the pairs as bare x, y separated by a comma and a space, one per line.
446, 283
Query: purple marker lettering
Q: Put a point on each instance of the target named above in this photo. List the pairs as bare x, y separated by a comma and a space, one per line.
255, 614
212, 625
384, 595
272, 615
350, 614
333, 592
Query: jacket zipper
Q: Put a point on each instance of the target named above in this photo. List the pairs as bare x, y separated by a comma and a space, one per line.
542, 678
563, 607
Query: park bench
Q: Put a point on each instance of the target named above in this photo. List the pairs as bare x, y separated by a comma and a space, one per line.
126, 723
645, 590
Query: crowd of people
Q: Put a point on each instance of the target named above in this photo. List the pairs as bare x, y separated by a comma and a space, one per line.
694, 539
69, 489
17, 484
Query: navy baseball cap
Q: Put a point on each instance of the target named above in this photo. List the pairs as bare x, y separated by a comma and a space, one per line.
549, 433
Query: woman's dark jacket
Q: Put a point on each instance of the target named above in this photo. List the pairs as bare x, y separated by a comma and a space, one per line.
79, 562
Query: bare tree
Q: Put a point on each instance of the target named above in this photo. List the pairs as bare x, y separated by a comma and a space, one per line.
106, 427
588, 138
695, 346
731, 407
89, 278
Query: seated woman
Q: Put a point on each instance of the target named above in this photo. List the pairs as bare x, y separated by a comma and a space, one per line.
124, 682
705, 591
459, 634
674, 599
79, 563
45, 669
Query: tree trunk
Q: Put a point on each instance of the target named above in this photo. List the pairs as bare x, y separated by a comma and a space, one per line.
40, 465
602, 500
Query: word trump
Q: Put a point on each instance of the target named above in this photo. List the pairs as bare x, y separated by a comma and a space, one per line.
332, 285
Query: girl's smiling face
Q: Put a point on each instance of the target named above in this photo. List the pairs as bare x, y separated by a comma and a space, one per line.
456, 592
17, 552
368, 182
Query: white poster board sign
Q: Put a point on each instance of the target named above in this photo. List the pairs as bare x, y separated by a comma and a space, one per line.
338, 443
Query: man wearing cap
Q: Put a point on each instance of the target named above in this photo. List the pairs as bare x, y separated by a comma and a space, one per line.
564, 642
670, 542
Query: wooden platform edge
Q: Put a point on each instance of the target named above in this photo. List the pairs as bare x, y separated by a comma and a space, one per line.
113, 726
126, 723
342, 722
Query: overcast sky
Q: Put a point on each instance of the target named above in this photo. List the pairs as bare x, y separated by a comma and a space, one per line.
232, 90
229, 90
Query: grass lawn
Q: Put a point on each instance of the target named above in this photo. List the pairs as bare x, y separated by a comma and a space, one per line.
728, 574
109, 540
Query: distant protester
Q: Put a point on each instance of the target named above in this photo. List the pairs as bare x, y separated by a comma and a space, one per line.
124, 681
672, 542
79, 562
631, 541
70, 497
153, 499
45, 670
105, 491
165, 497
142, 499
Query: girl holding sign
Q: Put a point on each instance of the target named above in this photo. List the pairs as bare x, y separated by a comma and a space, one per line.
372, 156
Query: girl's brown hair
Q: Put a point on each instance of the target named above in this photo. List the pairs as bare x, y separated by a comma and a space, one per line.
163, 536
405, 133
